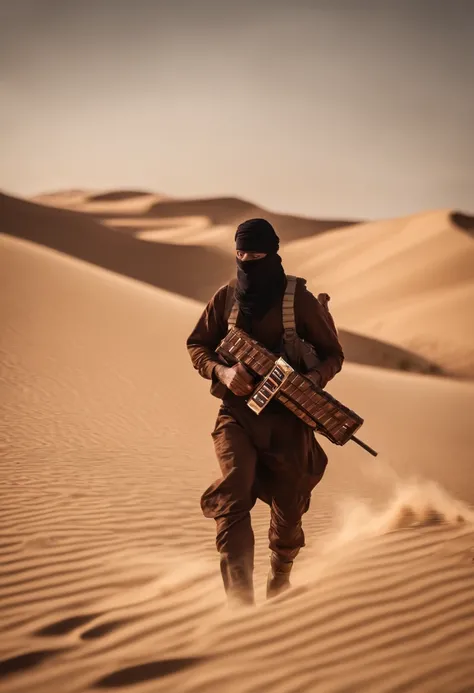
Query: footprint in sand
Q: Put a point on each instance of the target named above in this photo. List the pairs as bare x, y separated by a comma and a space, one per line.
25, 661
105, 628
146, 672
66, 625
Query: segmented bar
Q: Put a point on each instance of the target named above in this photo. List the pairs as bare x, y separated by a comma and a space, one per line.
317, 408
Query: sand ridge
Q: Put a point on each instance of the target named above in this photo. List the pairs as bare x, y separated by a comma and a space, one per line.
109, 577
407, 281
183, 246
138, 207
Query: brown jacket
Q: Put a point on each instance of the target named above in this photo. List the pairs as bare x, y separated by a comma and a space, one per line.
312, 324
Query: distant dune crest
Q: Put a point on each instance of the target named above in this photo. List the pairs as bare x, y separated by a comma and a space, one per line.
186, 246
463, 221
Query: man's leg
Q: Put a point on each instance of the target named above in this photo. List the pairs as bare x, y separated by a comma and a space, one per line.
286, 536
298, 463
229, 501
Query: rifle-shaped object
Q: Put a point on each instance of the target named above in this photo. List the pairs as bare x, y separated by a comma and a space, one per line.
279, 380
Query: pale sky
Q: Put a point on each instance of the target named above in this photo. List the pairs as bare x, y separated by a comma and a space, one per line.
330, 108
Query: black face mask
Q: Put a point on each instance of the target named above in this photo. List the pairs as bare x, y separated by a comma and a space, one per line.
260, 284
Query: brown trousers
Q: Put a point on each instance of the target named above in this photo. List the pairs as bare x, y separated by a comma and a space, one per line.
273, 456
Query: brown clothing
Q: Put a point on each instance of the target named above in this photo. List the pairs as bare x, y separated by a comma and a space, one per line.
312, 325
273, 456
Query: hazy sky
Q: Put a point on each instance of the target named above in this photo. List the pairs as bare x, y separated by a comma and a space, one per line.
348, 108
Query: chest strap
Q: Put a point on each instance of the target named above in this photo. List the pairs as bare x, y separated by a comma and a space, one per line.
288, 307
232, 305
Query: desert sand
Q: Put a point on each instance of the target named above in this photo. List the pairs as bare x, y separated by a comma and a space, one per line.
406, 281
109, 577
188, 248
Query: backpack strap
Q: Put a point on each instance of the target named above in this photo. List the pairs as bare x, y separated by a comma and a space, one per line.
288, 308
231, 305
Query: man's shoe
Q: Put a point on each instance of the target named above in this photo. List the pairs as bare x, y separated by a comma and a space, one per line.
279, 576
237, 577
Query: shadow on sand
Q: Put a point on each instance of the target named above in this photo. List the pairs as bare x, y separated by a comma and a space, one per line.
192, 271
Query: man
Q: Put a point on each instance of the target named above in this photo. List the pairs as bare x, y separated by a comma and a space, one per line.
273, 456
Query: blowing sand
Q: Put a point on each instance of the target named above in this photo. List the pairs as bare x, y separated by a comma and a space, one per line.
109, 578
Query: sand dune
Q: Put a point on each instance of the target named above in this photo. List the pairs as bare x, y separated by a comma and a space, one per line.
184, 254
463, 221
136, 202
118, 195
109, 577
195, 272
409, 282
140, 207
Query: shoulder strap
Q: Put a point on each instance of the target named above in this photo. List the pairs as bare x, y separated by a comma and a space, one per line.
231, 305
288, 308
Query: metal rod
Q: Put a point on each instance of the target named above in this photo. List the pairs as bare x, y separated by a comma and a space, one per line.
364, 445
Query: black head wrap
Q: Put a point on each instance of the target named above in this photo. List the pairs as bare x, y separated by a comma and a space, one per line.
257, 235
260, 283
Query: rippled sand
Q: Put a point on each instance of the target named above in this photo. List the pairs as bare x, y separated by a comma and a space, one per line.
109, 578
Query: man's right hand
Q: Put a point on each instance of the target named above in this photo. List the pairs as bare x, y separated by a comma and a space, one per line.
237, 379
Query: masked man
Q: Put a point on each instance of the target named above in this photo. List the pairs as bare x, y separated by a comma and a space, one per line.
273, 456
